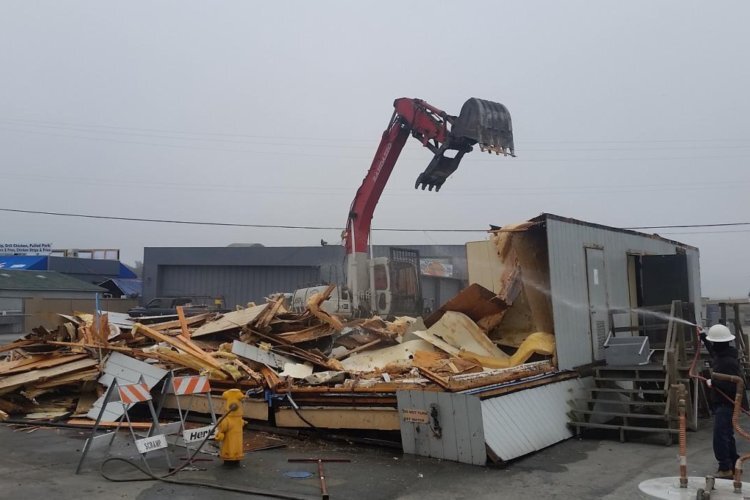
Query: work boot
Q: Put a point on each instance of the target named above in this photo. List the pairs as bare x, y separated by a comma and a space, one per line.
724, 474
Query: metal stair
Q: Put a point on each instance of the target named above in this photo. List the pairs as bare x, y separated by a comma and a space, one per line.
628, 399
642, 398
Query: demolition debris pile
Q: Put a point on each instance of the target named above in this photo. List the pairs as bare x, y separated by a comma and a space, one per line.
469, 343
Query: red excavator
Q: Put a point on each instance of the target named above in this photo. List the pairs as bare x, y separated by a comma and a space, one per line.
390, 286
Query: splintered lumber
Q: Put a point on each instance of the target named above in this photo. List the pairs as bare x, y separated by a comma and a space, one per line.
108, 347
8, 384
17, 345
308, 334
37, 362
314, 305
71, 378
189, 361
234, 320
269, 313
168, 325
272, 379
185, 345
184, 331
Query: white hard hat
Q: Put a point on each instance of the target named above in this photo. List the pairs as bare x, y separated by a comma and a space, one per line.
719, 333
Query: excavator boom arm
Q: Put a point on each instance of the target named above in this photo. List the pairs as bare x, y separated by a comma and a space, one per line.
481, 122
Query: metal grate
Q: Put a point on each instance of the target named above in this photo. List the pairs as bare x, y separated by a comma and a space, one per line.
406, 285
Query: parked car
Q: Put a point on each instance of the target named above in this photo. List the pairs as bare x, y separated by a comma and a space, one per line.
166, 306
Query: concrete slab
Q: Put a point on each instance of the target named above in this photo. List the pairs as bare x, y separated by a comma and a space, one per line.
42, 463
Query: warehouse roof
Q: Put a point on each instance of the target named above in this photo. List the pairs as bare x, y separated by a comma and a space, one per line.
43, 281
21, 262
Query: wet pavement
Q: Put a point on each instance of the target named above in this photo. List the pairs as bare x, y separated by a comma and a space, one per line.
42, 463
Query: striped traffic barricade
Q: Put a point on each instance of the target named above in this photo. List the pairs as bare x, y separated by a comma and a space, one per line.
129, 395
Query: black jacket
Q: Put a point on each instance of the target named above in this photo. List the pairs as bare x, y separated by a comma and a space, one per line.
724, 360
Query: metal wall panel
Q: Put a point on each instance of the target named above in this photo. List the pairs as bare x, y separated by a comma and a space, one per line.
238, 285
529, 420
567, 241
459, 415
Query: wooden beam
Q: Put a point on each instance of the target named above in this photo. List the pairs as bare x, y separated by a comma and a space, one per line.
383, 419
190, 320
184, 331
252, 409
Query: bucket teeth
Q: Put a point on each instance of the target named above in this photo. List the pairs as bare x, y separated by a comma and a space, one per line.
498, 150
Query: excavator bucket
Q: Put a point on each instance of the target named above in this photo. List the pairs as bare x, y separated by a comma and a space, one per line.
481, 122
486, 123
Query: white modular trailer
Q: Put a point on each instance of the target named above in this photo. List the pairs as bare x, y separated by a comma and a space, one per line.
594, 268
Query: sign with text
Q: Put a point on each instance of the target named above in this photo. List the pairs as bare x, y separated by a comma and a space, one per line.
25, 248
198, 434
152, 443
415, 416
436, 267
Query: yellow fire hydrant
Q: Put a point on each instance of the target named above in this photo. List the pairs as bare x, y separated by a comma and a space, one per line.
229, 430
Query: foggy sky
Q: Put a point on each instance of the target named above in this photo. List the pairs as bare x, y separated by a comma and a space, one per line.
624, 113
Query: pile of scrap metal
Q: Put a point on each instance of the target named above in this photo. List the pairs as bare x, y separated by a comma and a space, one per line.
269, 351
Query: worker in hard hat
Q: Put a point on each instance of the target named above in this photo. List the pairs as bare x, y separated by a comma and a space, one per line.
724, 360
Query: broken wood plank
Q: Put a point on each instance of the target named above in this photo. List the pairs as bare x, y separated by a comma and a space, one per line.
314, 306
39, 362
8, 384
87, 423
190, 320
17, 345
108, 347
230, 321
442, 382
308, 334
184, 331
182, 344
268, 314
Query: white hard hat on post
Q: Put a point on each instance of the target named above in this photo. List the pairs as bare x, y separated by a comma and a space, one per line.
719, 333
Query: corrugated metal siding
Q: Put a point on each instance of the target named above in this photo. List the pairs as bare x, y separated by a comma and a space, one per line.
238, 285
567, 263
526, 421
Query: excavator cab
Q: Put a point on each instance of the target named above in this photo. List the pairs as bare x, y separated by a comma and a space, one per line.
481, 122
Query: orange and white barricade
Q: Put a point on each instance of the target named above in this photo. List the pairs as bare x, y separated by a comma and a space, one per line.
128, 395
190, 387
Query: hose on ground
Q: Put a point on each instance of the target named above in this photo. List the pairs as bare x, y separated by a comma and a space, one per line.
166, 478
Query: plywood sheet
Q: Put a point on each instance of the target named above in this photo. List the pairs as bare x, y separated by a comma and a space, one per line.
230, 321
461, 332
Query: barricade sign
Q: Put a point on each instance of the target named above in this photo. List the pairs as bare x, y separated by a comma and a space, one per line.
190, 387
129, 395
199, 434
152, 443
